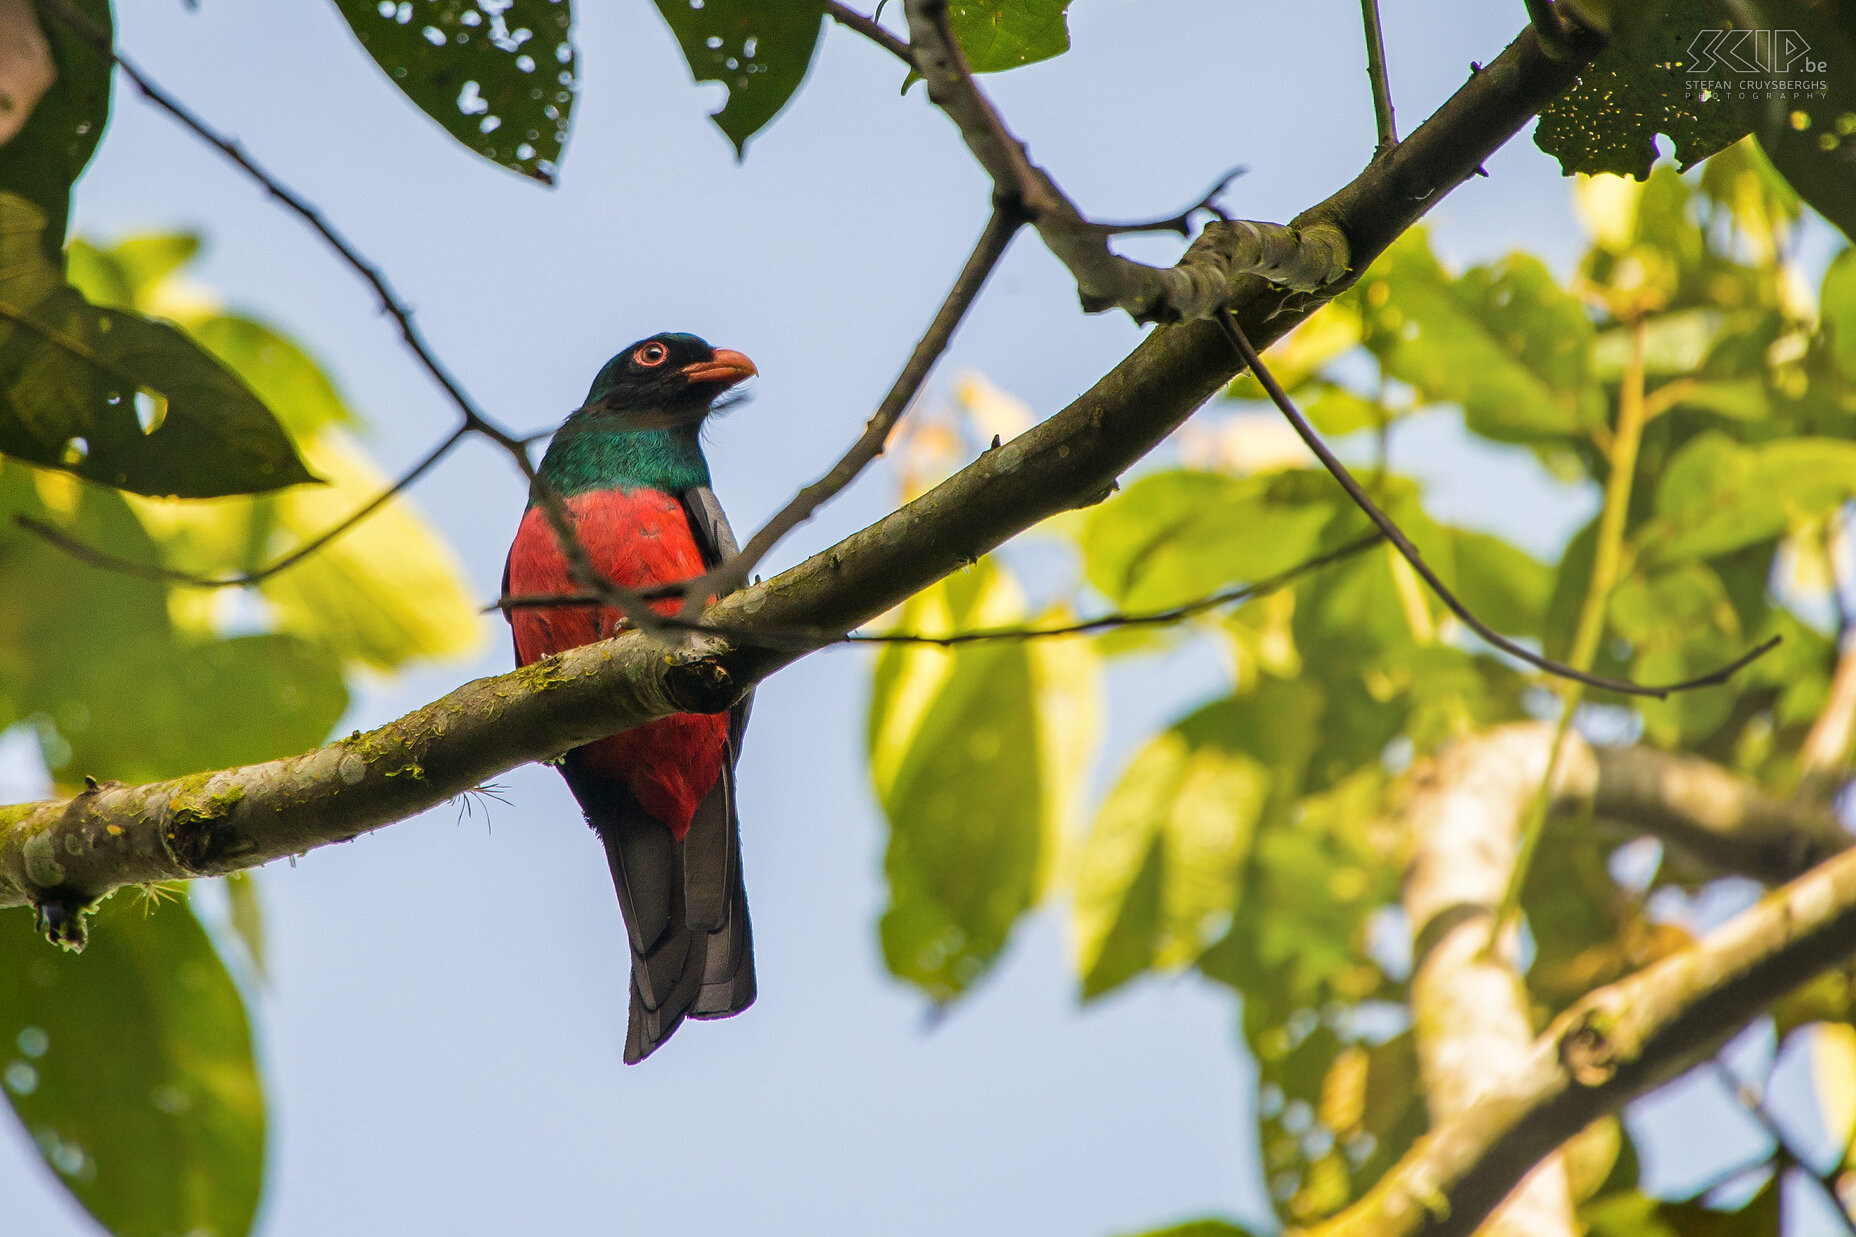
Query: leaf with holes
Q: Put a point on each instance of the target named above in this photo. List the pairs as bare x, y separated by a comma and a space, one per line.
130, 1066
1649, 80
975, 753
43, 159
497, 75
759, 50
117, 398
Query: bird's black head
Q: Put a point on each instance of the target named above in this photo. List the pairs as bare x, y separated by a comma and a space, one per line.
671, 377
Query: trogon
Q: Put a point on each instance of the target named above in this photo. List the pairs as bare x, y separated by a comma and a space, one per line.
628, 467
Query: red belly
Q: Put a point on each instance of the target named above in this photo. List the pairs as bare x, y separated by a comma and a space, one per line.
637, 538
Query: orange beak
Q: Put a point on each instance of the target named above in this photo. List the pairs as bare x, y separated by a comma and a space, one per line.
726, 367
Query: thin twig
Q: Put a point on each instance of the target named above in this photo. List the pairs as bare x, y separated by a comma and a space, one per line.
728, 576
820, 638
1753, 1103
1376, 73
168, 575
1396, 536
1181, 222
868, 27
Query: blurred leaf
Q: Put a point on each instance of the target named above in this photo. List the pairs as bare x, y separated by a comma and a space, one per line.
1161, 872
75, 637
1837, 304
1004, 34
1673, 343
1504, 586
130, 1065
1173, 537
43, 160
71, 373
387, 590
1808, 134
497, 75
1336, 411
1506, 342
973, 774
1300, 355
247, 917
285, 377
1716, 495
759, 50
1640, 86
1208, 1227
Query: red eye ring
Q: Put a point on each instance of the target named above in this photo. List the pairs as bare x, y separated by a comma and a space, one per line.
651, 355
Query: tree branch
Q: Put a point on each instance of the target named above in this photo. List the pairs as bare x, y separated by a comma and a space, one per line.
867, 26
1385, 126
1304, 259
1615, 1044
62, 854
1469, 1007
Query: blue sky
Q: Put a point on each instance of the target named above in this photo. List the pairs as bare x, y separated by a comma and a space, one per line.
443, 1029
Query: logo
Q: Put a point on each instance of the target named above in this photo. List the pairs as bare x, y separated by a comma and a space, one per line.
1752, 52
1753, 64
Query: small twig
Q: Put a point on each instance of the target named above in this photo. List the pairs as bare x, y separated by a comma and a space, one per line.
1376, 73
819, 638
728, 576
1181, 222
1396, 536
868, 27
168, 575
1753, 1102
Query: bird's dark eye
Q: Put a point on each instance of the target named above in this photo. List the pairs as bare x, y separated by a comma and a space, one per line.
651, 355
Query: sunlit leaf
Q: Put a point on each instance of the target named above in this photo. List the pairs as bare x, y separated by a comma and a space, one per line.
1837, 304
497, 75
1506, 342
387, 590
1716, 496
116, 398
974, 768
1176, 536
759, 50
44, 159
1003, 34
1162, 870
130, 1067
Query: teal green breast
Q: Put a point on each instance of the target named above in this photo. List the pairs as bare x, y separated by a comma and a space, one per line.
579, 460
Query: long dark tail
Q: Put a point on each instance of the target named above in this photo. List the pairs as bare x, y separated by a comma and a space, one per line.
685, 907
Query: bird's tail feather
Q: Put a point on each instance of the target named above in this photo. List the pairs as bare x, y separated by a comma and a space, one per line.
685, 908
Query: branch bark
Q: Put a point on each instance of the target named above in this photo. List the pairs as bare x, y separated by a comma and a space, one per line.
1615, 1044
61, 855
1469, 1006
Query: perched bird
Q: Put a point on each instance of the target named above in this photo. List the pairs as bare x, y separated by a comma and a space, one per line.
629, 468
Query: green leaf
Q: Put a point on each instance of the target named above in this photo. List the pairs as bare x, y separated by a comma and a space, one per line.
1162, 870
1717, 496
44, 159
975, 753
1209, 1226
1810, 135
77, 382
1172, 537
130, 1066
1003, 34
497, 75
75, 638
247, 917
1506, 342
1837, 305
759, 50
1640, 85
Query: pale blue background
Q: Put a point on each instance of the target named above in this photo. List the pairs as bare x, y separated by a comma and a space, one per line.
443, 1028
